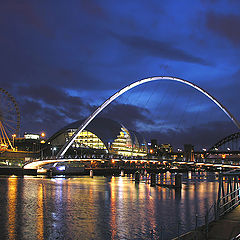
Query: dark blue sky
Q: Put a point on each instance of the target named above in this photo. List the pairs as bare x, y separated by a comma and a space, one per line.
61, 59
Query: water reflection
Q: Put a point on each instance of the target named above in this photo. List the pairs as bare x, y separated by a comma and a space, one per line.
12, 207
40, 223
101, 208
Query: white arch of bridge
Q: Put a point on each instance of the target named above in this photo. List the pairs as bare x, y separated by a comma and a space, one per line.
132, 85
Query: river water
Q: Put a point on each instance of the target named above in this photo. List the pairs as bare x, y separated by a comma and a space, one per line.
101, 207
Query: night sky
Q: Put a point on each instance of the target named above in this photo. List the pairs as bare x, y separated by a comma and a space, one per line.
62, 59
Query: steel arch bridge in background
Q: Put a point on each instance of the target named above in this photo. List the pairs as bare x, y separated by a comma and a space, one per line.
132, 85
229, 143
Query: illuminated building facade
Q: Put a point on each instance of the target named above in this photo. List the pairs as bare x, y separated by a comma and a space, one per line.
161, 149
87, 139
165, 148
30, 142
189, 152
102, 135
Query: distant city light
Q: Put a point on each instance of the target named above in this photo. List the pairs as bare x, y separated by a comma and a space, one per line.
31, 136
43, 134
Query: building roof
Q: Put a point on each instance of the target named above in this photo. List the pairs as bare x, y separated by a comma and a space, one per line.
104, 128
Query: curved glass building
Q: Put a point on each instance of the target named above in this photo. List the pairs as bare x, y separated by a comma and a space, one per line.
102, 135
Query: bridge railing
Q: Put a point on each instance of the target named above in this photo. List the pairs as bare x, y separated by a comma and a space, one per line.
213, 213
228, 202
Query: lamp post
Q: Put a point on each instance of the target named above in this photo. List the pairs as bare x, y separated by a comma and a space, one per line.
42, 141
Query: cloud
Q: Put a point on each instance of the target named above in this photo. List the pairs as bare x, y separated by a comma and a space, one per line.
232, 94
150, 47
93, 9
38, 102
84, 64
209, 1
27, 14
226, 26
36, 118
50, 95
128, 115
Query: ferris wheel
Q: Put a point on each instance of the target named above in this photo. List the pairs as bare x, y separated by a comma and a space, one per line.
9, 120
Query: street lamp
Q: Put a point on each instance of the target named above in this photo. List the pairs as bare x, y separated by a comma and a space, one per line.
43, 134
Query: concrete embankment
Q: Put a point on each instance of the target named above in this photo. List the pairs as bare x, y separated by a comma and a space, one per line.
105, 171
78, 171
17, 171
226, 228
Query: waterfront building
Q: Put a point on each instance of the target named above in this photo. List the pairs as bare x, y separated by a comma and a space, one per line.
160, 150
165, 148
189, 152
154, 144
29, 142
101, 136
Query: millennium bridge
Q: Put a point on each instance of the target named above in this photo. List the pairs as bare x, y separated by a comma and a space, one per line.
224, 154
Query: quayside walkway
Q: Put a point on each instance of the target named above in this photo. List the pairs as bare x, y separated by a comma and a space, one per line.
226, 228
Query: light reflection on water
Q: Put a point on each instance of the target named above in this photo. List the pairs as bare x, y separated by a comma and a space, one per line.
12, 194
100, 208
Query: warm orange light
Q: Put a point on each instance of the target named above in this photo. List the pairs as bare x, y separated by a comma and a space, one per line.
43, 134
113, 161
223, 155
42, 141
14, 135
151, 150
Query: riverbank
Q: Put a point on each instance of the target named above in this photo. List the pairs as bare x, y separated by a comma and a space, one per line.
80, 171
17, 171
226, 228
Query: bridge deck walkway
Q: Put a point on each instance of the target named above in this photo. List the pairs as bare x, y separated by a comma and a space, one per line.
226, 228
